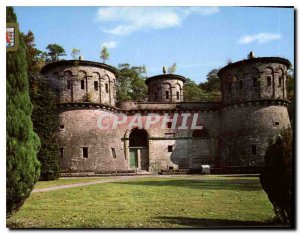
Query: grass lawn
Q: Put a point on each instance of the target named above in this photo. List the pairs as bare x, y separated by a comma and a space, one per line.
64, 181
152, 202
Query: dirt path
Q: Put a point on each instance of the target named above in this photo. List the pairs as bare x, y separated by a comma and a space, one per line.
89, 183
119, 178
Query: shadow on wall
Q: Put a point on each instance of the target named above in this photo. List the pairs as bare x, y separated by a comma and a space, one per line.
196, 150
215, 223
203, 184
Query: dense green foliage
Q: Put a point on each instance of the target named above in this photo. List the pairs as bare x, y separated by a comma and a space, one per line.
209, 90
55, 51
131, 83
22, 144
44, 116
276, 177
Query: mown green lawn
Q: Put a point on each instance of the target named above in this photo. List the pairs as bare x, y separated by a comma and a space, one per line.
158, 202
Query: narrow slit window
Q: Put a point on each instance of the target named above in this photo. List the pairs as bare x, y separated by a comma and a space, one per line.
82, 84
96, 85
167, 94
169, 124
177, 95
68, 84
113, 151
61, 151
253, 150
279, 81
170, 148
269, 80
106, 88
85, 152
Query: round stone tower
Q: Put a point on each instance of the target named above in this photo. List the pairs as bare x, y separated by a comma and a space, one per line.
85, 94
254, 108
82, 81
165, 88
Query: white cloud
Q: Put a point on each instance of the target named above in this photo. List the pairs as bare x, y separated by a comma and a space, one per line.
259, 38
202, 10
109, 44
126, 20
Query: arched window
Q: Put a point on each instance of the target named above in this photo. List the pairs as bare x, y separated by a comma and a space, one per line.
154, 91
254, 73
269, 76
280, 77
95, 78
68, 79
167, 90
178, 91
82, 78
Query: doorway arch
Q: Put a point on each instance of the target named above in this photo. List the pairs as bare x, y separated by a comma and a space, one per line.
138, 149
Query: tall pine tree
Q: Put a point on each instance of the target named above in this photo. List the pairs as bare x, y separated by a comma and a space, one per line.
22, 144
44, 116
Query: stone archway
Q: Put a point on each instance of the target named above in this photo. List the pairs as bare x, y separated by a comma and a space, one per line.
138, 150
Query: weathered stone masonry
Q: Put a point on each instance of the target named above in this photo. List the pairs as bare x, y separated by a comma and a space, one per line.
235, 131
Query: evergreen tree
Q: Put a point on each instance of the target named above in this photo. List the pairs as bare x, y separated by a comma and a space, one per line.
45, 123
44, 116
277, 175
22, 144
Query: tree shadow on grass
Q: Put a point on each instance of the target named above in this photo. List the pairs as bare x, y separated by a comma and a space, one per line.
188, 222
236, 184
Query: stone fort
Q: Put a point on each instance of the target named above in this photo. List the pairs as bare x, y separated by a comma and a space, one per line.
235, 131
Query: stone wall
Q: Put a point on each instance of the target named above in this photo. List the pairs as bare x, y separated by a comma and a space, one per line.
165, 88
234, 133
79, 129
82, 81
254, 79
247, 129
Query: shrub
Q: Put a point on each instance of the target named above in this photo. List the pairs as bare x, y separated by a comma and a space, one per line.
276, 177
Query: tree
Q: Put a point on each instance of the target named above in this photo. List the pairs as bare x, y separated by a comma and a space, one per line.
22, 144
290, 88
104, 54
192, 93
34, 58
276, 176
75, 52
172, 69
213, 83
55, 51
45, 122
131, 83
44, 116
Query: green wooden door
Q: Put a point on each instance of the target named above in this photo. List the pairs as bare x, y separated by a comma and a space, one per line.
133, 158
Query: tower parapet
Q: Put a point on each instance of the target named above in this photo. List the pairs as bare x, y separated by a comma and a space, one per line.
165, 88
82, 81
254, 79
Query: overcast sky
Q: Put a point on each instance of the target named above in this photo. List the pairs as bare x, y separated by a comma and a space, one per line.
198, 39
